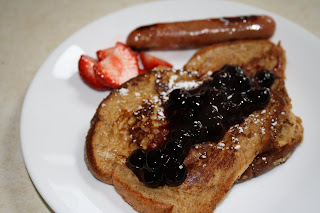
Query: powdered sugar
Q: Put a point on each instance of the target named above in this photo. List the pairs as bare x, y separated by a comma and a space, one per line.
220, 145
237, 147
137, 94
123, 91
174, 84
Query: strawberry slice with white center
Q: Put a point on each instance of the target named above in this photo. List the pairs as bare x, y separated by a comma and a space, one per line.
102, 54
149, 61
87, 73
117, 67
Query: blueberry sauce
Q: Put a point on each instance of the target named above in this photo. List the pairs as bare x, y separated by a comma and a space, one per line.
265, 78
200, 115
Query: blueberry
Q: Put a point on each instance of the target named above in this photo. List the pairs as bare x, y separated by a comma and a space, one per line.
180, 115
230, 78
136, 160
193, 103
198, 131
241, 84
233, 71
215, 130
183, 136
232, 113
265, 78
180, 134
178, 97
182, 107
188, 111
155, 159
258, 98
208, 112
176, 149
175, 173
238, 81
213, 97
220, 75
199, 91
220, 80
153, 178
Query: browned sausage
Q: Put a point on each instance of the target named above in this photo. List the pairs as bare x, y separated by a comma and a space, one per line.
197, 33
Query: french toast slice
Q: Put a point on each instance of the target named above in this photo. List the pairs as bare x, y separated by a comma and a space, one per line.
132, 117
252, 56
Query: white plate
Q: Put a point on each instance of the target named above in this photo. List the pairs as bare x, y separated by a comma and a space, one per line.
59, 106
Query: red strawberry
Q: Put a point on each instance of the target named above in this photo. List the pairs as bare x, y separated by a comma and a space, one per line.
102, 54
87, 74
118, 67
149, 61
142, 71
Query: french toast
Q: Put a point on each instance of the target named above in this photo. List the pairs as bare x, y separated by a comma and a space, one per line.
132, 117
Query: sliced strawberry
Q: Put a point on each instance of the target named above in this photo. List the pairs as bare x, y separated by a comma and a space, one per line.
142, 71
118, 67
87, 74
102, 54
149, 61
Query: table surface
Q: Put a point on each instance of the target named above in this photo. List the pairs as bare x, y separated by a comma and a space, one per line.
29, 31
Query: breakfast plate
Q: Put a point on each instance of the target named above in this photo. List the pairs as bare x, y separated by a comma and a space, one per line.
58, 108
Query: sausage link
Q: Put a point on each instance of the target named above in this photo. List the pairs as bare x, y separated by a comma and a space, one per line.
197, 33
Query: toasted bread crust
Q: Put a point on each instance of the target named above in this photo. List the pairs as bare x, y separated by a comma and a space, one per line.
130, 117
139, 201
251, 55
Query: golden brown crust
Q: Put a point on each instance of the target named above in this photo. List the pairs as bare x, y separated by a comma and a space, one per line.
277, 155
251, 55
89, 156
135, 198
